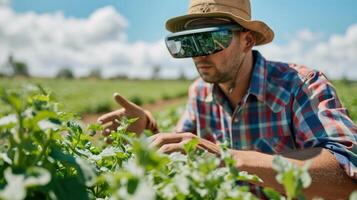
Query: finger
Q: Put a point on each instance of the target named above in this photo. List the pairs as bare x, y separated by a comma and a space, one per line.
209, 146
110, 127
122, 101
111, 116
153, 137
170, 148
165, 138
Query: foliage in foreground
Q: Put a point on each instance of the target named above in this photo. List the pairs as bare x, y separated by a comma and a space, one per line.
46, 154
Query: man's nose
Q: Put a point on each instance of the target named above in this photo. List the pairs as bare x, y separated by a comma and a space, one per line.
200, 59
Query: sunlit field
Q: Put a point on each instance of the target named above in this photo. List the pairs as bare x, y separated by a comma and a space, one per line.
95, 95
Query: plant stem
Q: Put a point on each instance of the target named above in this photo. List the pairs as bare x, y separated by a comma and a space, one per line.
19, 154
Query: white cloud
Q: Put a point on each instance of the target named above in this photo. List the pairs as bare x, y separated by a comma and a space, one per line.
4, 2
336, 56
47, 42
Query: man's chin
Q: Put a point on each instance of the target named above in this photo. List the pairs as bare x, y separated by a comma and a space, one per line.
209, 79
216, 80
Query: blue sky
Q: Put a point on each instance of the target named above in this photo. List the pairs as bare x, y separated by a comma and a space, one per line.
147, 17
126, 36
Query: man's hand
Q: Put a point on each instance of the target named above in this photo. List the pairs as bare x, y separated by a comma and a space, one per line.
171, 142
128, 110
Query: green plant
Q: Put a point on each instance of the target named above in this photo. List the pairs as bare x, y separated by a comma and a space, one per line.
169, 118
293, 179
165, 96
151, 101
45, 153
137, 100
100, 107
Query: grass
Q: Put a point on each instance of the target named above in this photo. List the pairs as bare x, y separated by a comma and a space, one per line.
347, 92
93, 95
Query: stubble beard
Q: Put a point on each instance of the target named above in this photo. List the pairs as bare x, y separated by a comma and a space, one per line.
223, 76
216, 77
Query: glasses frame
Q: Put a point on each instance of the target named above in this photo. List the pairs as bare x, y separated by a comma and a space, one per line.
231, 27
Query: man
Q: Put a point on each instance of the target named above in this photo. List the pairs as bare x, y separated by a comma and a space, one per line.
260, 107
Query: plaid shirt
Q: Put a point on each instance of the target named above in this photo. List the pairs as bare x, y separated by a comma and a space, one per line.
287, 107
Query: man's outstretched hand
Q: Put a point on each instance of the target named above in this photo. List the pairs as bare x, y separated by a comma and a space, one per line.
128, 110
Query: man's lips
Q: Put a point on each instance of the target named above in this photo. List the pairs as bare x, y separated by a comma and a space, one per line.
204, 67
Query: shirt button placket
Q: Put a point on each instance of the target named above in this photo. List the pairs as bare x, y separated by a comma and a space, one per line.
235, 128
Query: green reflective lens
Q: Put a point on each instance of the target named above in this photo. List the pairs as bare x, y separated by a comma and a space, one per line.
199, 42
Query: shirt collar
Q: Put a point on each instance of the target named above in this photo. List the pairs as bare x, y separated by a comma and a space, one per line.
263, 86
273, 95
257, 85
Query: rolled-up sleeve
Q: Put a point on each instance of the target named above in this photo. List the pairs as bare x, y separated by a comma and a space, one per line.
320, 120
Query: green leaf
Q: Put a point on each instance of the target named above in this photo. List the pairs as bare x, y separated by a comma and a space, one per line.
191, 145
87, 171
74, 127
290, 183
5, 158
294, 179
148, 157
305, 179
244, 176
132, 120
132, 185
92, 129
17, 184
65, 159
15, 101
272, 194
84, 169
44, 114
8, 121
69, 188
37, 176
15, 187
353, 195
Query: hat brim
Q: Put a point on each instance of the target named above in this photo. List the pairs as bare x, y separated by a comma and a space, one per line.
263, 32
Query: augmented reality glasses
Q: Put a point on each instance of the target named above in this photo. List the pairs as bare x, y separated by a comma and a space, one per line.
200, 42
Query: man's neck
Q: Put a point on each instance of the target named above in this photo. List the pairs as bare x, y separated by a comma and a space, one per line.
241, 84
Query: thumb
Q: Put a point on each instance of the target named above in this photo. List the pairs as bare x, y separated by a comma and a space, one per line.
122, 101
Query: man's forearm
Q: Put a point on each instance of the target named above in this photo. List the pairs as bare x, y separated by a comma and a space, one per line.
328, 179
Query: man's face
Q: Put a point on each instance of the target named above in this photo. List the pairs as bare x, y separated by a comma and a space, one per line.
220, 67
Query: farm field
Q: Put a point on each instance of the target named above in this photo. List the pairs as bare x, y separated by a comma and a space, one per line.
91, 96
47, 154
84, 96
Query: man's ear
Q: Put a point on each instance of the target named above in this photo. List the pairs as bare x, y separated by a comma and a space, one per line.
249, 40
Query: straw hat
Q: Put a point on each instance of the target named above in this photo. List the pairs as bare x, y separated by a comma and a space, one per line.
237, 10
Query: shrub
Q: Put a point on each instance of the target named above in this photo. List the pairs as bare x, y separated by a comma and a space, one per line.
45, 153
137, 100
165, 96
65, 73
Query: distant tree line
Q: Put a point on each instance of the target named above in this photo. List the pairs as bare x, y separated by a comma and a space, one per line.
14, 67
67, 73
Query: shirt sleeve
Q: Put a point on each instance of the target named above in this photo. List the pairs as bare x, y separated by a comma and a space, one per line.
320, 120
187, 122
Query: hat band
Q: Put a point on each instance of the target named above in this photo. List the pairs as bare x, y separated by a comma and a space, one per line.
215, 7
